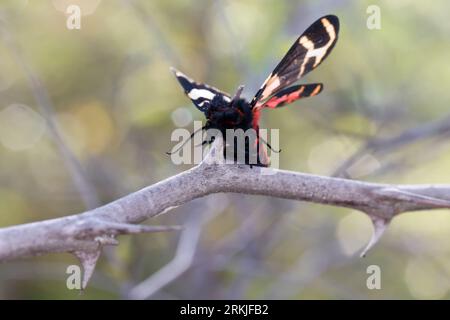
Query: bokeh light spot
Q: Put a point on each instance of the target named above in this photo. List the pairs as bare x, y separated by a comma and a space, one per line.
425, 280
88, 129
181, 117
328, 155
20, 127
353, 232
97, 125
434, 227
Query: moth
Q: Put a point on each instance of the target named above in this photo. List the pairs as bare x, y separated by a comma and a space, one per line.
225, 112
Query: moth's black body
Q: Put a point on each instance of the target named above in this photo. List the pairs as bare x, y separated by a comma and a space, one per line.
224, 115
223, 112
237, 114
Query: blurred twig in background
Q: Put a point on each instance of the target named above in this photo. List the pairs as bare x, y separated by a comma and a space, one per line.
184, 257
79, 176
436, 128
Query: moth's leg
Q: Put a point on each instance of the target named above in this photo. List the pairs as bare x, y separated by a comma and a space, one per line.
268, 145
203, 143
206, 142
190, 137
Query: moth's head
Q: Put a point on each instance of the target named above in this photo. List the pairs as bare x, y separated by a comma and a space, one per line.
219, 103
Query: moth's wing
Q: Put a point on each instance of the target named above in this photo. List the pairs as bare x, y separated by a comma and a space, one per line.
307, 52
291, 94
200, 94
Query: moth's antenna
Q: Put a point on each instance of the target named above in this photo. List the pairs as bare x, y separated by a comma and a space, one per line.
237, 95
268, 145
184, 143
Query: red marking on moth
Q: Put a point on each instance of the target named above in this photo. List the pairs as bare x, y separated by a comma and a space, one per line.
262, 152
256, 117
289, 98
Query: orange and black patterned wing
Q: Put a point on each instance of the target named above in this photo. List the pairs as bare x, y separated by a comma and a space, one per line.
308, 51
200, 93
291, 94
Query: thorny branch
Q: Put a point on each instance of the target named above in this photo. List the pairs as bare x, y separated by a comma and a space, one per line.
85, 234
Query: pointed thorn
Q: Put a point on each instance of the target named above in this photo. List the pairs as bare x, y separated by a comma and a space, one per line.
88, 261
151, 229
411, 196
128, 228
379, 226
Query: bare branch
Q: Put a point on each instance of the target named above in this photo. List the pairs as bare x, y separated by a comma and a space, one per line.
85, 234
432, 129
184, 256
89, 231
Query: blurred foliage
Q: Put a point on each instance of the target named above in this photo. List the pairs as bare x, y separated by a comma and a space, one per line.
117, 103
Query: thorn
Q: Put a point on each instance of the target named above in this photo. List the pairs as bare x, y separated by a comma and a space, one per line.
88, 260
128, 228
411, 196
167, 210
379, 226
107, 240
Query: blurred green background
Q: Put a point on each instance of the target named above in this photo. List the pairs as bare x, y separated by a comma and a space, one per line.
383, 116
